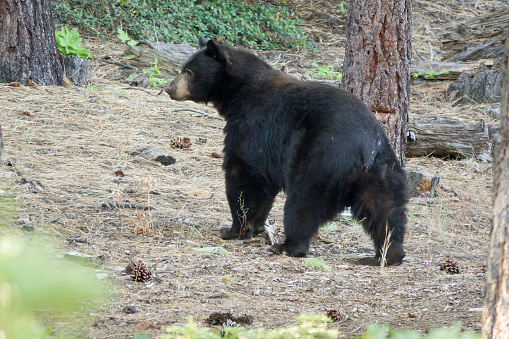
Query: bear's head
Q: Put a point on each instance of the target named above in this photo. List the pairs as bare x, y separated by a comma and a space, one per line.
215, 71
202, 74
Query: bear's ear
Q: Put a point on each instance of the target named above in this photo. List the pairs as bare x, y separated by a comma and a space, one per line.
202, 41
213, 50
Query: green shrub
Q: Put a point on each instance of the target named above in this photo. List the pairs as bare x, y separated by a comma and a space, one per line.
262, 26
308, 326
383, 332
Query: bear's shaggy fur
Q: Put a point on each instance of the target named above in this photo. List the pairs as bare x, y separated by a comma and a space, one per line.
319, 144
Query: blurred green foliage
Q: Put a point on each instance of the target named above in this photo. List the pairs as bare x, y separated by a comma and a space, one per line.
308, 326
259, 25
34, 282
384, 332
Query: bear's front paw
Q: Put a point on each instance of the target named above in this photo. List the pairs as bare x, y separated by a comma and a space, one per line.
368, 261
292, 251
228, 234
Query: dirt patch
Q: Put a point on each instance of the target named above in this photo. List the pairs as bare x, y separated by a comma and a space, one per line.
74, 143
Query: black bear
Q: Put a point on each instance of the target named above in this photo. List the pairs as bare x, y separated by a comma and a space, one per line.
319, 144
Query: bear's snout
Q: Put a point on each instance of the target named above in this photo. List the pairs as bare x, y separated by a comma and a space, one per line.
170, 89
178, 89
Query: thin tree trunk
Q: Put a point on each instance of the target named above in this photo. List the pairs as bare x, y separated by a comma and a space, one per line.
377, 63
496, 308
28, 48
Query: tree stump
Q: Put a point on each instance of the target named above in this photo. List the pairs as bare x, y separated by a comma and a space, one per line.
76, 69
421, 184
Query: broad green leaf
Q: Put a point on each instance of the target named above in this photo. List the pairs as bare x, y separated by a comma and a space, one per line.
122, 35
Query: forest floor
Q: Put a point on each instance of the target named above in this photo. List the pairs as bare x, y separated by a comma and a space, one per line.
77, 152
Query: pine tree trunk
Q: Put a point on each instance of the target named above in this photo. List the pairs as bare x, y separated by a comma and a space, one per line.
377, 63
28, 48
496, 308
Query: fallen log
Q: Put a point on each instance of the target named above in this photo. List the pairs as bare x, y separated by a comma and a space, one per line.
484, 86
170, 57
446, 70
443, 136
474, 31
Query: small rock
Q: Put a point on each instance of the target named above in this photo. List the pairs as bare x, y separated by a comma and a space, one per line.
476, 309
155, 154
130, 309
77, 240
101, 276
84, 259
28, 227
494, 111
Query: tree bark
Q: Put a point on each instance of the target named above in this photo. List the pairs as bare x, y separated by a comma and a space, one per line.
496, 306
377, 63
28, 48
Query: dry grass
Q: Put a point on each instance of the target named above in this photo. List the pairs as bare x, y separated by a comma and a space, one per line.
74, 140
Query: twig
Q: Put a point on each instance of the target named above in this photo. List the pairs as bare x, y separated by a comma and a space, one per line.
430, 52
140, 89
121, 65
418, 54
199, 115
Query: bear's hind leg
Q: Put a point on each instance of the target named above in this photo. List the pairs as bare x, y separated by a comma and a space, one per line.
306, 208
250, 203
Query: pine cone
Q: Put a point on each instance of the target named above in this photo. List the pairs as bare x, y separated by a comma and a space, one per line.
450, 266
180, 142
139, 272
335, 315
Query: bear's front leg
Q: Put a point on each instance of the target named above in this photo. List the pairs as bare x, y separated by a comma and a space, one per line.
250, 203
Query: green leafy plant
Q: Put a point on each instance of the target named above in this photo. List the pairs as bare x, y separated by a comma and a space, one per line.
255, 25
308, 326
384, 332
138, 336
329, 226
124, 37
317, 263
324, 72
226, 279
152, 73
429, 74
343, 7
69, 43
